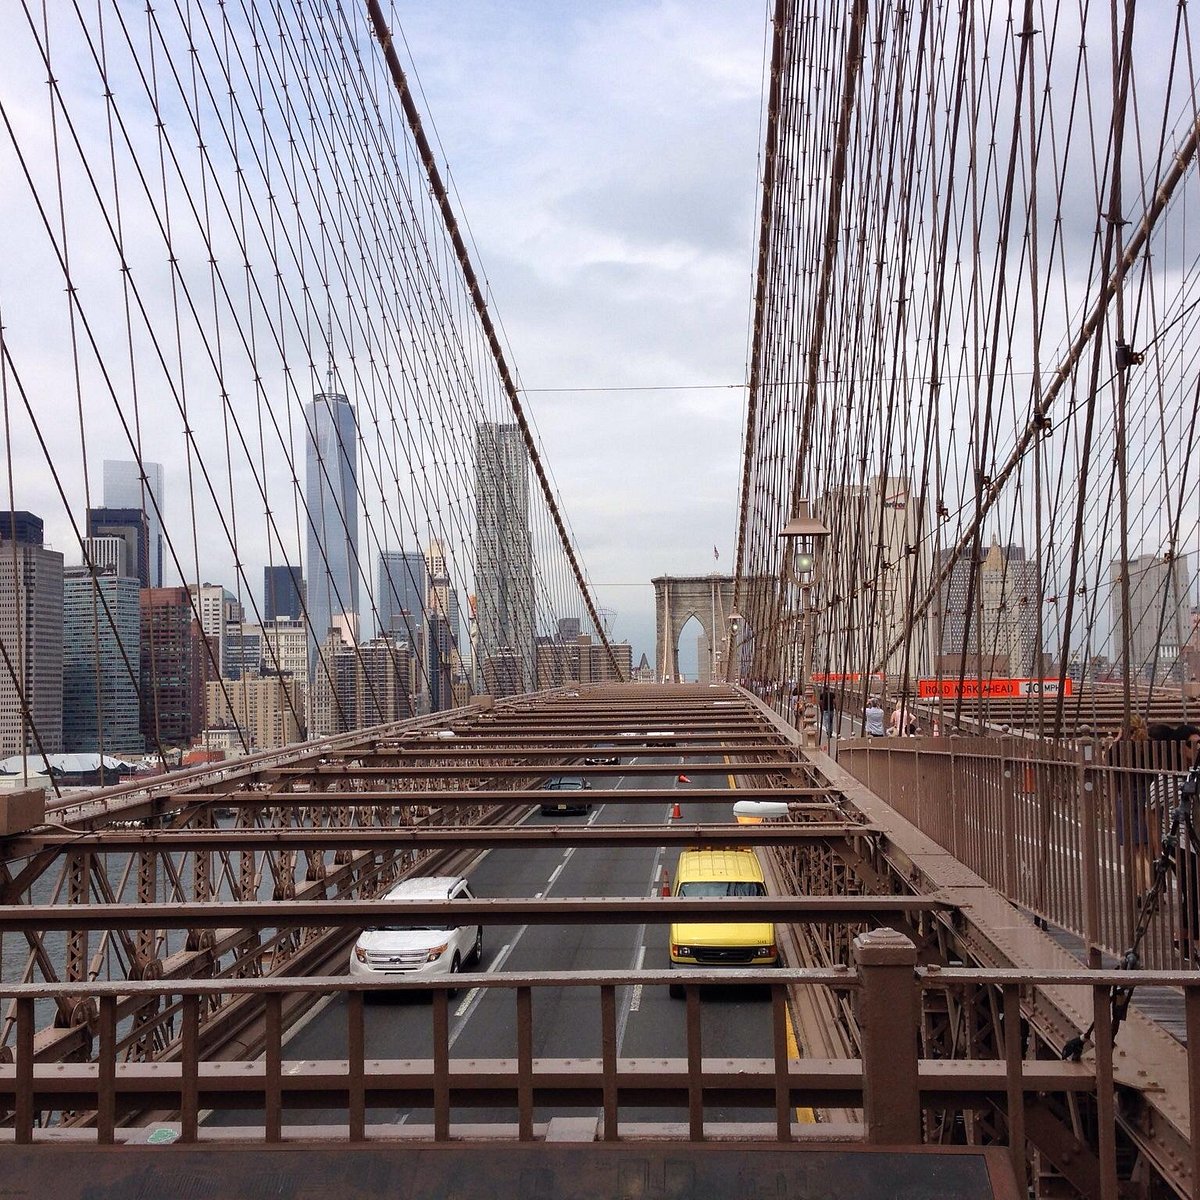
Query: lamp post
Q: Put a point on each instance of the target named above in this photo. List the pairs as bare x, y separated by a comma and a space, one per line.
804, 537
732, 645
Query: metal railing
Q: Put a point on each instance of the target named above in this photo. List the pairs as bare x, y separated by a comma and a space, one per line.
1069, 832
890, 1083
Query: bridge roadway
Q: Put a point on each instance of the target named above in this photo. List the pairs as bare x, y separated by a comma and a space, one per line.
566, 1022
961, 1078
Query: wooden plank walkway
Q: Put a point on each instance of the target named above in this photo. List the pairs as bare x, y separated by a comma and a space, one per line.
1162, 1005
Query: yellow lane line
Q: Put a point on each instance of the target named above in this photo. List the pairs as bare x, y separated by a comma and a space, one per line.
805, 1116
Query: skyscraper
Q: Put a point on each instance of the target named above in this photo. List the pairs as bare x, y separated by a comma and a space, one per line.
283, 588
381, 682
439, 657
124, 488
172, 668
403, 596
219, 610
132, 527
101, 662
883, 564
331, 697
243, 651
31, 617
331, 493
111, 555
267, 709
994, 624
503, 552
1159, 622
443, 597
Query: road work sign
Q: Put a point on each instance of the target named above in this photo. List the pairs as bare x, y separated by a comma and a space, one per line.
989, 689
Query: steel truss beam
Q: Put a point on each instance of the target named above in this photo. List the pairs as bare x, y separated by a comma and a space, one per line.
425, 836
950, 917
354, 914
450, 770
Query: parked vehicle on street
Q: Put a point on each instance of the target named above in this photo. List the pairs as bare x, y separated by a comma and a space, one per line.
407, 950
569, 798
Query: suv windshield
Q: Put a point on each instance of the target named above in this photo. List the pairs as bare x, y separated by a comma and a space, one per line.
722, 888
404, 928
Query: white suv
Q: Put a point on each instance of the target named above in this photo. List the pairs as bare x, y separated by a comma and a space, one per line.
406, 950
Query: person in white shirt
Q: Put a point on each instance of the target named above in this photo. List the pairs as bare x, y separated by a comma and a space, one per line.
873, 718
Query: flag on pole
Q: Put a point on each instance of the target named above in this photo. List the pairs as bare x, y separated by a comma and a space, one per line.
716, 554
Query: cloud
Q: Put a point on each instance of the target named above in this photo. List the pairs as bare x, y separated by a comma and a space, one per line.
612, 193
604, 158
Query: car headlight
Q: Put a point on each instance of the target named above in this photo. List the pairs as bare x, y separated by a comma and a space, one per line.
682, 951
360, 954
437, 952
764, 952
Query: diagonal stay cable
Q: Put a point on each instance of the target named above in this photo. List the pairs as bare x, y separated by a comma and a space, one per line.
384, 37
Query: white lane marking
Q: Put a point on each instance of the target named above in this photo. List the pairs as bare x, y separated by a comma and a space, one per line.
558, 870
311, 1015
655, 878
632, 999
472, 999
469, 869
635, 1000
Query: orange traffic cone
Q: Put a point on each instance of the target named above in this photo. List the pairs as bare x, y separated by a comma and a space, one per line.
681, 778
675, 813
666, 883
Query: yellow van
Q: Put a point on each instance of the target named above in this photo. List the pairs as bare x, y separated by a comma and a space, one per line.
716, 873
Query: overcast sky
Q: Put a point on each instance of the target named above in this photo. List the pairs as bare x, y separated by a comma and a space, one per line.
605, 157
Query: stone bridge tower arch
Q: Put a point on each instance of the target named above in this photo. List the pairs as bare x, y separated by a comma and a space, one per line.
708, 598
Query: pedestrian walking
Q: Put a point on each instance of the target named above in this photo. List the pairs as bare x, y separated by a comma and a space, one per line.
873, 718
827, 702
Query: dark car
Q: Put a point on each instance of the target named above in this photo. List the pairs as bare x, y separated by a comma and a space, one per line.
569, 799
602, 756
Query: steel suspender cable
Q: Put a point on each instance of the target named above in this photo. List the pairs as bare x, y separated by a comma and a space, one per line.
383, 34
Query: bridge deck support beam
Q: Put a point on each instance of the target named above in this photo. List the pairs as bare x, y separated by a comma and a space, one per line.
888, 1016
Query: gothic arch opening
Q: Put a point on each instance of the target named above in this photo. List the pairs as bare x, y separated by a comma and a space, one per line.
692, 651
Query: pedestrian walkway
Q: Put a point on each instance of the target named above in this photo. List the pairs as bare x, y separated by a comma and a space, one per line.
1162, 1005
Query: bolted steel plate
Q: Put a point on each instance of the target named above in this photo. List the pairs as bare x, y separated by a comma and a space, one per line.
539, 1171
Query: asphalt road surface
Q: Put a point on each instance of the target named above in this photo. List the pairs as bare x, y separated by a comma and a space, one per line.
566, 1021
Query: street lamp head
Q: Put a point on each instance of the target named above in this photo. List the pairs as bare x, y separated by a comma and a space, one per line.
806, 537
804, 525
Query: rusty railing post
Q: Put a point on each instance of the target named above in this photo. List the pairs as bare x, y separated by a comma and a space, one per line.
1089, 853
1008, 803
888, 1019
